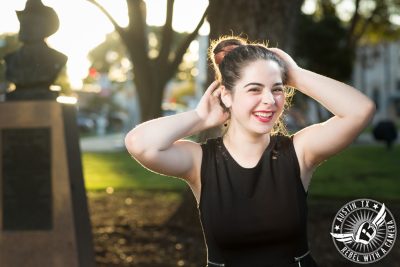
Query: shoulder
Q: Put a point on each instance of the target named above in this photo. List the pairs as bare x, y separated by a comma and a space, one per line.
299, 144
199, 151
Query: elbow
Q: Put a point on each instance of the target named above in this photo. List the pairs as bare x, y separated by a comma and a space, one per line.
369, 110
365, 112
133, 143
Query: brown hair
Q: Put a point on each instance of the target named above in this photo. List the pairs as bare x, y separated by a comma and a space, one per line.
231, 54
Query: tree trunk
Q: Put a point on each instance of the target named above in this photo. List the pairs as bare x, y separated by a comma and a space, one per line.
259, 20
150, 74
150, 88
273, 21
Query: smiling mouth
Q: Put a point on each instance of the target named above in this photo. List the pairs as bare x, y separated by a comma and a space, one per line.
264, 116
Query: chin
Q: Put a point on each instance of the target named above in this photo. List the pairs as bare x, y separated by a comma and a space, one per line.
262, 130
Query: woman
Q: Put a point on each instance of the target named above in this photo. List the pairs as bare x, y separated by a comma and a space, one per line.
251, 183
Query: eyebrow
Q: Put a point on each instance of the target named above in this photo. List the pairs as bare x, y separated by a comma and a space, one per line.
275, 84
260, 84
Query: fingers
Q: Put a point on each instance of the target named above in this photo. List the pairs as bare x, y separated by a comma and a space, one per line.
217, 92
284, 56
273, 49
277, 51
214, 85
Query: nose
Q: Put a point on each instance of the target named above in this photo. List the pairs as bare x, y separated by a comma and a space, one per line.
268, 98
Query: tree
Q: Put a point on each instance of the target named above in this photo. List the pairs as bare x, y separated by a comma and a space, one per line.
338, 37
370, 21
329, 39
151, 74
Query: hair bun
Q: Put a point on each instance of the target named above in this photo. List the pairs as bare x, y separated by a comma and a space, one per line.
219, 56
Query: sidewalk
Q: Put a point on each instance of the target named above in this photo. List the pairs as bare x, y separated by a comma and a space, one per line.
101, 143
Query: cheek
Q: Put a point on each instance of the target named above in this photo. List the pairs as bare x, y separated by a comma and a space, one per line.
244, 103
279, 100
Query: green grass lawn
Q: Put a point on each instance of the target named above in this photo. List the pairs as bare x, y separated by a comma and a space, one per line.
119, 171
358, 171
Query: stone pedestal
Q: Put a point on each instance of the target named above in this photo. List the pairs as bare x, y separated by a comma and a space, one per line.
44, 217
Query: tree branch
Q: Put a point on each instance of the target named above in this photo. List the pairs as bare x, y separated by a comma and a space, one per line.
366, 23
118, 28
136, 35
136, 38
167, 35
354, 20
184, 46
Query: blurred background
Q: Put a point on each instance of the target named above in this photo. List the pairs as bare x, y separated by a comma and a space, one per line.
131, 60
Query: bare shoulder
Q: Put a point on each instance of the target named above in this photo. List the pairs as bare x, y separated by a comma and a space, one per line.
193, 177
302, 140
306, 170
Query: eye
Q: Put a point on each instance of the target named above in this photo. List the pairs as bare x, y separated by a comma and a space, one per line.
254, 89
277, 89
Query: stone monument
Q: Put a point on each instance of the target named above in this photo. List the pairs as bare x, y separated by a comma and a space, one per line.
44, 219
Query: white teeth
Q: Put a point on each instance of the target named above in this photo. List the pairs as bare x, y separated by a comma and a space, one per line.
263, 114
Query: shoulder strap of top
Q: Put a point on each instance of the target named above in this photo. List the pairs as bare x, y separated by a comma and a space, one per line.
208, 149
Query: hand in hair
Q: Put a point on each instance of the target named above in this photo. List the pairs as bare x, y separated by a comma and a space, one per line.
291, 65
209, 108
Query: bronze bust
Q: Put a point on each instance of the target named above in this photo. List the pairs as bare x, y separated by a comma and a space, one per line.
35, 66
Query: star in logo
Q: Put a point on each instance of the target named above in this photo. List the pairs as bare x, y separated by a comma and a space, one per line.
375, 206
337, 227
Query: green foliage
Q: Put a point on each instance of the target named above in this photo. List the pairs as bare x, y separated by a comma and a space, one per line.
377, 15
8, 44
119, 171
107, 53
326, 41
112, 50
321, 46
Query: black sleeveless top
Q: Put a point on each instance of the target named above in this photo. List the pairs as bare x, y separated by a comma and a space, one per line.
253, 216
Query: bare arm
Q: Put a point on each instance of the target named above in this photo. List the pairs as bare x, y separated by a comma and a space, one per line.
157, 143
352, 111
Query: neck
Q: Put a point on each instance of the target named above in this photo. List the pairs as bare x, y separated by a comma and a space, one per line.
241, 140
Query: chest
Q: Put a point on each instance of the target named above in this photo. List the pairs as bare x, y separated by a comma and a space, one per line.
264, 205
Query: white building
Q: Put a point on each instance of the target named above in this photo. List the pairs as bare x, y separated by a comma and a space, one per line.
377, 74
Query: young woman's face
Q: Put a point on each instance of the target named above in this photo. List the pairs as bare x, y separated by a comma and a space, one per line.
258, 97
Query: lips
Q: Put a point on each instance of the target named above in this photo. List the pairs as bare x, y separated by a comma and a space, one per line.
264, 116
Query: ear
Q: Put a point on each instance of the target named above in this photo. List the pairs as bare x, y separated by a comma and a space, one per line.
226, 96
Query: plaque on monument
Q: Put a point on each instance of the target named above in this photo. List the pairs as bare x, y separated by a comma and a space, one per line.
26, 176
